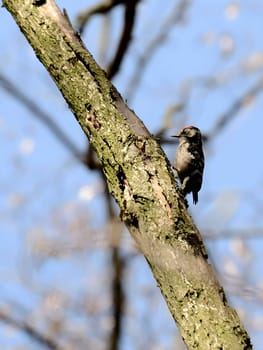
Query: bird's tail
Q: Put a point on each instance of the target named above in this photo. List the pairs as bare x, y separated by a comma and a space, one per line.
195, 197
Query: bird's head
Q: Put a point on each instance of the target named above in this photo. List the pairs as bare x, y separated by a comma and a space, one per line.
191, 133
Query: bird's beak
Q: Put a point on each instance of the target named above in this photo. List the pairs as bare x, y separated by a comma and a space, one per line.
175, 136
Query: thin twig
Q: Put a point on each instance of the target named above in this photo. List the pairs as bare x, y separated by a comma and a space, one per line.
234, 109
38, 113
101, 8
28, 329
177, 16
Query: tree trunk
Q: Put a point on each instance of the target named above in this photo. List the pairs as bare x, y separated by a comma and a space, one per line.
139, 177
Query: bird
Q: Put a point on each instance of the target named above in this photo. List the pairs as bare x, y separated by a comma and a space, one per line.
189, 161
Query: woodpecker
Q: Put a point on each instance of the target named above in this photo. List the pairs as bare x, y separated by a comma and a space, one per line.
189, 160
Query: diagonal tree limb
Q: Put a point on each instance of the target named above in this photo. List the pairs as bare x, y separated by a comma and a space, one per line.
141, 180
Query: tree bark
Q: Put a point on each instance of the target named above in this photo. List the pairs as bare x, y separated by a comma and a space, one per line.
139, 177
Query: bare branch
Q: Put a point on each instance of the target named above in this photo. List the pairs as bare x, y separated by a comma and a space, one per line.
37, 112
101, 8
29, 330
235, 108
128, 25
177, 16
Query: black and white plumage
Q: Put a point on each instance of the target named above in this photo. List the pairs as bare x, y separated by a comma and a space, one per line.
189, 161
